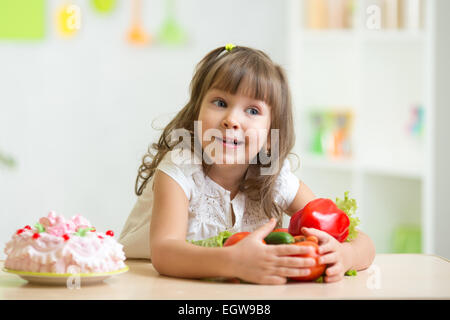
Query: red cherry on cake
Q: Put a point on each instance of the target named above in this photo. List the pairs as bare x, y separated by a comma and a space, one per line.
66, 237
110, 233
20, 231
27, 227
36, 236
100, 237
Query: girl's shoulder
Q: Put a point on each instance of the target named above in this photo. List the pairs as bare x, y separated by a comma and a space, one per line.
286, 185
286, 167
185, 168
285, 171
185, 161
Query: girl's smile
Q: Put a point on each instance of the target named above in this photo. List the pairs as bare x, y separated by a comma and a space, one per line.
232, 143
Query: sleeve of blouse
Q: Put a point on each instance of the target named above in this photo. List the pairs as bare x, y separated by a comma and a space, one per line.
177, 172
286, 186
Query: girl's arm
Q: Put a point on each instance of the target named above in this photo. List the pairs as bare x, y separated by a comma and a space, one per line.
359, 253
170, 253
303, 196
250, 259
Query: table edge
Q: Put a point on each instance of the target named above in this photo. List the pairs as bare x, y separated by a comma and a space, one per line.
415, 254
378, 254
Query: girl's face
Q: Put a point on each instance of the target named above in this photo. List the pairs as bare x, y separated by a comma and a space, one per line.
226, 116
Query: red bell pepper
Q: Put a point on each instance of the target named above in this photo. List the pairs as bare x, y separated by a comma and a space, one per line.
322, 214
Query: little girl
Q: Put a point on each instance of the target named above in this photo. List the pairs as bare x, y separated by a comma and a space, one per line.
231, 173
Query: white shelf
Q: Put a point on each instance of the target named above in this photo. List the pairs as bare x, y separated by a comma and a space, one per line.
379, 75
396, 179
393, 36
326, 36
351, 165
394, 171
321, 162
349, 35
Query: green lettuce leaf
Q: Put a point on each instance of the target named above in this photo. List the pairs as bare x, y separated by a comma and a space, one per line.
319, 280
216, 241
351, 273
349, 207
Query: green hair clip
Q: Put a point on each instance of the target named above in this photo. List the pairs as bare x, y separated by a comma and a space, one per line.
229, 47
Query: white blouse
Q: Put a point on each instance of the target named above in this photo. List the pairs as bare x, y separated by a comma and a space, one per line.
210, 206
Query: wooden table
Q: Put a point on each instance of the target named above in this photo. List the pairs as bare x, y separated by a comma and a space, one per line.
391, 276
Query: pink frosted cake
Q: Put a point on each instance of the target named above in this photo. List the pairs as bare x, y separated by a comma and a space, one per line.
56, 245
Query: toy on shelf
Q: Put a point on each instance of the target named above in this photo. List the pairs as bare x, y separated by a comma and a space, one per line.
318, 134
341, 134
329, 14
7, 161
407, 239
348, 14
331, 131
416, 122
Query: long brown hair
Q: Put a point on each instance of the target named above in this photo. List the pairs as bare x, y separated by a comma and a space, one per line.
227, 70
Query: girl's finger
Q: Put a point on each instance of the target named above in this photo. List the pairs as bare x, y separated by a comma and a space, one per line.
288, 249
321, 235
333, 278
329, 258
265, 229
334, 270
327, 247
275, 280
292, 272
295, 262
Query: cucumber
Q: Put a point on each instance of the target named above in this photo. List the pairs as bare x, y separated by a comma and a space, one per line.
279, 238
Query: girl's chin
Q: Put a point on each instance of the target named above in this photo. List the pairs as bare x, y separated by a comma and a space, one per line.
229, 160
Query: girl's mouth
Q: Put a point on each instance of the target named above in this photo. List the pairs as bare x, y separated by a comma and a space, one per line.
229, 143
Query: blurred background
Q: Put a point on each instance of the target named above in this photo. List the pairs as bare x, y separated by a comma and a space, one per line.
86, 84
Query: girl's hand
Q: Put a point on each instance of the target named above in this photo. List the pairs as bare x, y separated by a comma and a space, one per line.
332, 253
257, 262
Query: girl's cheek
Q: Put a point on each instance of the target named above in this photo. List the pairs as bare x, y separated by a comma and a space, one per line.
254, 144
251, 143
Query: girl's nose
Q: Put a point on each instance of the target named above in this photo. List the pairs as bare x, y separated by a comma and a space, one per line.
230, 124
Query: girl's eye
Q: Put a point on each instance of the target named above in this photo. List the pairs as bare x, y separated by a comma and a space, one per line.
220, 103
254, 111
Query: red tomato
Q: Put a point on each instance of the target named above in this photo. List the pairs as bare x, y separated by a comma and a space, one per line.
318, 269
235, 238
281, 230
